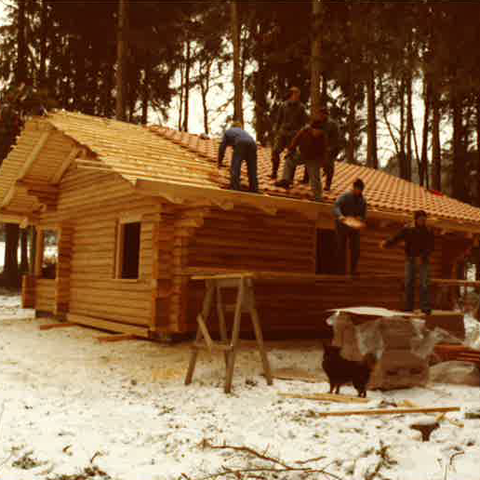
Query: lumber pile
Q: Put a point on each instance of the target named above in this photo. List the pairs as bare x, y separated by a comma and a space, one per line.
458, 352
390, 338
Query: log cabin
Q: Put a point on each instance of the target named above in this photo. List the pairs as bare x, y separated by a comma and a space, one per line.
138, 210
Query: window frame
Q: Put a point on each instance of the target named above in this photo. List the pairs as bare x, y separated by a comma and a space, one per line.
120, 247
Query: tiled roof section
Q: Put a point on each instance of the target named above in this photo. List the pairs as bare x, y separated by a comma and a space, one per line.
383, 191
166, 155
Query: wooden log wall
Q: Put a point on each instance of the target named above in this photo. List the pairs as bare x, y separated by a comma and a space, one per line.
28, 291
93, 203
45, 295
249, 240
64, 270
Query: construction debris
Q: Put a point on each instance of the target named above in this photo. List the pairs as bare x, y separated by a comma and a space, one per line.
326, 397
425, 426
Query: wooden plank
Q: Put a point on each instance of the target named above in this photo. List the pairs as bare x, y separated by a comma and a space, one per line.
326, 397
118, 338
27, 164
390, 411
205, 334
108, 325
57, 176
49, 326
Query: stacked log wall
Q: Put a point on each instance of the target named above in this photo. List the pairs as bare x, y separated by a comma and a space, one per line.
93, 203
247, 240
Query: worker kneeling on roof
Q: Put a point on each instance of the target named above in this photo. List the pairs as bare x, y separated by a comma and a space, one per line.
312, 142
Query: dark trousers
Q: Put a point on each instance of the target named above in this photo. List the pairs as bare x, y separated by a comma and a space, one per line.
328, 171
346, 234
282, 141
244, 151
414, 266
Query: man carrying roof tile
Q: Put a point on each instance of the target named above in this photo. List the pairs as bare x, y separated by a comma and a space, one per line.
291, 117
333, 135
419, 245
350, 205
311, 142
244, 148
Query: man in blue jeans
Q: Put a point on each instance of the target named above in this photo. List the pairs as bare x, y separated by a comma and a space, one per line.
419, 244
244, 148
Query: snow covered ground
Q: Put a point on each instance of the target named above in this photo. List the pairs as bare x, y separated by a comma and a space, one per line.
70, 404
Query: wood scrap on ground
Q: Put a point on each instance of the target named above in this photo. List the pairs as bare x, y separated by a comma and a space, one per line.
390, 411
326, 397
438, 418
296, 374
49, 326
118, 338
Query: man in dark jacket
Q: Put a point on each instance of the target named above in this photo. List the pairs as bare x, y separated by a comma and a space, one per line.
291, 117
333, 137
419, 244
312, 144
244, 148
350, 204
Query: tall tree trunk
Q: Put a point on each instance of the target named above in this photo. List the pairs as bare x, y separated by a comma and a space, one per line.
122, 48
403, 156
237, 74
107, 98
458, 177
260, 94
409, 132
21, 66
324, 96
182, 87
436, 147
351, 117
372, 156
24, 251
204, 89
478, 152
44, 28
146, 92
10, 271
188, 60
33, 248
316, 58
424, 177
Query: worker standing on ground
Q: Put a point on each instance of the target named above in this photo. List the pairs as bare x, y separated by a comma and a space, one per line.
419, 245
333, 136
312, 144
244, 148
291, 118
350, 212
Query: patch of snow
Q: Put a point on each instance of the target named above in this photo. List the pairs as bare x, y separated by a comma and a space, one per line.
68, 399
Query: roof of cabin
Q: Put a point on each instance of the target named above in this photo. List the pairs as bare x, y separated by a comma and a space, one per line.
161, 154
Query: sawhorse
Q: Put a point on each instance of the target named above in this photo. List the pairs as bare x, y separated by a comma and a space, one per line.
245, 303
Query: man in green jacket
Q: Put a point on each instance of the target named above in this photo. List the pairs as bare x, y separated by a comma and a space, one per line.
291, 118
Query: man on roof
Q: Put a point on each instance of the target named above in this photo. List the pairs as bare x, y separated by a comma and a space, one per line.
244, 148
419, 244
312, 144
333, 136
350, 212
292, 116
